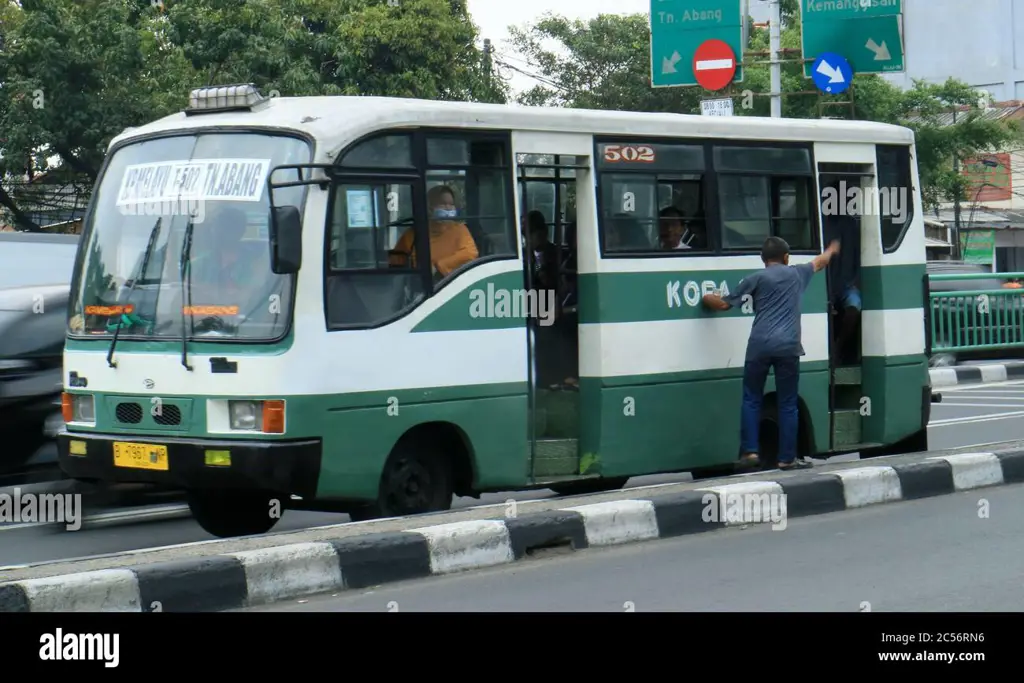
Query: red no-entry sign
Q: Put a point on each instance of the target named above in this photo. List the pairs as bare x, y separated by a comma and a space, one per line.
714, 64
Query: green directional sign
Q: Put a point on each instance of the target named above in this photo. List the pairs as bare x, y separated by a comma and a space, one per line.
679, 27
868, 33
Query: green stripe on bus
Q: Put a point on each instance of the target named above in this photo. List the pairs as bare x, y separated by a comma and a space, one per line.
651, 297
890, 288
479, 306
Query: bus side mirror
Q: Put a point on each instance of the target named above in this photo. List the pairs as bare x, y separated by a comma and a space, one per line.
285, 240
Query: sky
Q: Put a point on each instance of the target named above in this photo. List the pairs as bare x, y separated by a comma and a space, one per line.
494, 16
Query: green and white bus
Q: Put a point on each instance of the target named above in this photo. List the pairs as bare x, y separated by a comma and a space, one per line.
240, 330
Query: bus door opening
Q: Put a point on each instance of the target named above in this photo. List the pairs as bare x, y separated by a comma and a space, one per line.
842, 210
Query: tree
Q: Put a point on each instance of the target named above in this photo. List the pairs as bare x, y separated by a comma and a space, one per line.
75, 74
926, 109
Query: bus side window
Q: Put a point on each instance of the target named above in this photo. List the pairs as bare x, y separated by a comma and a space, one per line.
638, 183
764, 192
478, 170
372, 259
896, 196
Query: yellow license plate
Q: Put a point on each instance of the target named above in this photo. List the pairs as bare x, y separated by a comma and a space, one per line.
140, 456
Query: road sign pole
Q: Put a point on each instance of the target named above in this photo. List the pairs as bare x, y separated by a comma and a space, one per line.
775, 37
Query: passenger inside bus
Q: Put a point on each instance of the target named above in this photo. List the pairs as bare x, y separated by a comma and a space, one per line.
451, 244
844, 275
221, 260
543, 252
672, 232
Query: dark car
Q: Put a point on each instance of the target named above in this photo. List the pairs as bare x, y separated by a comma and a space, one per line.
962, 320
35, 280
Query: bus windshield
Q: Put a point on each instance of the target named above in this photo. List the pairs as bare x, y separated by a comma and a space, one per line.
177, 242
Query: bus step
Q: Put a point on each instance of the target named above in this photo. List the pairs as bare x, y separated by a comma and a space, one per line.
847, 376
847, 428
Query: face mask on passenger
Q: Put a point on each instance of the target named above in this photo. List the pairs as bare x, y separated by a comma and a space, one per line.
445, 214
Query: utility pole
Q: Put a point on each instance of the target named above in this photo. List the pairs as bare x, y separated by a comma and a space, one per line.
488, 61
775, 33
957, 250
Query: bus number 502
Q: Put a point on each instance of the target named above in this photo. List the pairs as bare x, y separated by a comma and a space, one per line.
615, 153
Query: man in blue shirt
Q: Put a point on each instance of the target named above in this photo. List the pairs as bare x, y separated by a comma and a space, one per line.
776, 294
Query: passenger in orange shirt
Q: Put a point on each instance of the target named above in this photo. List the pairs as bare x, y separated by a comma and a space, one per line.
451, 244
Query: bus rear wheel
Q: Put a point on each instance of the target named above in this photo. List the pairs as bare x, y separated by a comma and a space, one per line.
417, 479
227, 514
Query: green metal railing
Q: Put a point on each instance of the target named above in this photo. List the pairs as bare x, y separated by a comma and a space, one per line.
976, 320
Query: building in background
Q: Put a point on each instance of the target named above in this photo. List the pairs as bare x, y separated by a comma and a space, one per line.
990, 31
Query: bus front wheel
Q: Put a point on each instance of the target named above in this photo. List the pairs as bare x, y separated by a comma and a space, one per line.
417, 479
227, 514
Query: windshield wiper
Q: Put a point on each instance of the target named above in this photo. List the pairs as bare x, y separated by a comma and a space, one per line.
141, 273
186, 289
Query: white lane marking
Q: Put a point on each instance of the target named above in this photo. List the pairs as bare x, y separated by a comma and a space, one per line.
106, 518
998, 397
971, 386
971, 420
979, 405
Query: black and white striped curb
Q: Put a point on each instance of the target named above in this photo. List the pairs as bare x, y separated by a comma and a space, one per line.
976, 374
235, 580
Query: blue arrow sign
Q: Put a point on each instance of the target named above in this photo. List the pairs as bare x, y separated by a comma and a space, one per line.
832, 74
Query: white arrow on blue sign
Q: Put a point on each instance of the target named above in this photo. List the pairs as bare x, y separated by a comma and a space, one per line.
832, 74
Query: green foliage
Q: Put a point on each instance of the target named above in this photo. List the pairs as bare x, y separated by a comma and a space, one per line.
75, 74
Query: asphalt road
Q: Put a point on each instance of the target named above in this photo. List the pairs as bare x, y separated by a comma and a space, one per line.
931, 555
967, 416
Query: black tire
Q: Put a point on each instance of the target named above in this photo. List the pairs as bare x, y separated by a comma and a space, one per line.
576, 488
417, 479
227, 514
768, 437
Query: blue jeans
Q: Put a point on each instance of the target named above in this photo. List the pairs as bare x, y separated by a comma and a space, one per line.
787, 382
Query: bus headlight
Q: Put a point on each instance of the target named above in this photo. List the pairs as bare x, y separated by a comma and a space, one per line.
246, 415
78, 408
257, 416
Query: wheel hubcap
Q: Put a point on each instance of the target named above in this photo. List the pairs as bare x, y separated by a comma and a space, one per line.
409, 487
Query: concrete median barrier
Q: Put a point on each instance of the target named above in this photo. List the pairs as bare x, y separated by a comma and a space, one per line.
959, 375
226, 578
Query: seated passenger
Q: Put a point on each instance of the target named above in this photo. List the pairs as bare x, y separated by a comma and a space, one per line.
672, 231
451, 244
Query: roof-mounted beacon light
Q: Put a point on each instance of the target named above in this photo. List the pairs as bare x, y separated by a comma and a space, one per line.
219, 98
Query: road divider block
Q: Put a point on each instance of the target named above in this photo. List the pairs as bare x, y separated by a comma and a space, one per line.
241, 579
989, 373
974, 470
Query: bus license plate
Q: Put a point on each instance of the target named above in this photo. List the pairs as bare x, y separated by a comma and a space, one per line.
140, 456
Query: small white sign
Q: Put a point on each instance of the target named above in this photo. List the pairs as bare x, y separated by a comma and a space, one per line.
239, 180
722, 107
360, 208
